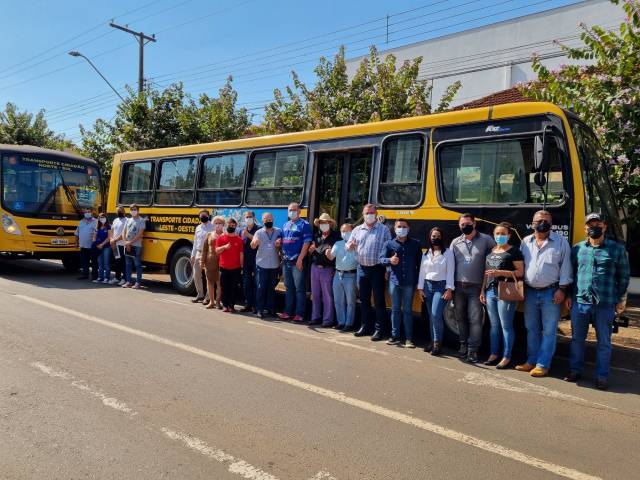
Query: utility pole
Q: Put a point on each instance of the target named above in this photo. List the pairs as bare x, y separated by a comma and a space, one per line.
142, 41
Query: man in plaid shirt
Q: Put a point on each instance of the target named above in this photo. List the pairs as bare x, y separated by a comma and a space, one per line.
601, 273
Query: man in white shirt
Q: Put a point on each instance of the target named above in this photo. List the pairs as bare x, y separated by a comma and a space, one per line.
86, 228
117, 246
196, 255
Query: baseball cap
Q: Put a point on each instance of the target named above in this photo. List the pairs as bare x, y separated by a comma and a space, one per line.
593, 216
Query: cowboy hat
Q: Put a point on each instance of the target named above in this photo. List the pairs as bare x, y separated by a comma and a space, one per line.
325, 218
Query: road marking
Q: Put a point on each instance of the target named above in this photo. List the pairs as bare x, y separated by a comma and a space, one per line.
235, 466
82, 386
425, 425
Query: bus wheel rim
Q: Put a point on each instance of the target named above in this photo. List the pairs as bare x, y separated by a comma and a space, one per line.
183, 270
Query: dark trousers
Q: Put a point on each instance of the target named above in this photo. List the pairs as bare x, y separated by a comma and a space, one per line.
230, 283
266, 281
371, 279
89, 257
469, 313
118, 263
249, 284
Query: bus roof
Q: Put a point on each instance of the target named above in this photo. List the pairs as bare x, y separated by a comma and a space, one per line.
448, 118
30, 149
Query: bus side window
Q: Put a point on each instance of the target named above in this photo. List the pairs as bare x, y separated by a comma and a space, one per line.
177, 178
222, 180
276, 177
402, 171
136, 183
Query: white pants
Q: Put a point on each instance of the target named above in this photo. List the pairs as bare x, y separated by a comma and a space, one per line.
197, 276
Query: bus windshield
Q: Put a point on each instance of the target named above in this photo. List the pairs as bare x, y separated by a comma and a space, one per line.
47, 185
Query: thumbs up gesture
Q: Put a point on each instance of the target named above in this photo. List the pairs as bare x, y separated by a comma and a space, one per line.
395, 260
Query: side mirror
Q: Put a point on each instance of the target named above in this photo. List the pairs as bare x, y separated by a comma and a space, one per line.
539, 150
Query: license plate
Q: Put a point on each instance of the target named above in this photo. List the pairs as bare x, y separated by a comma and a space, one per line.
59, 241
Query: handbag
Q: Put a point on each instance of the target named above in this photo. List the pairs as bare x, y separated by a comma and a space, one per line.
511, 291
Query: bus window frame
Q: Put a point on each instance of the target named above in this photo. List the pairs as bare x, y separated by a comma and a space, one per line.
375, 196
200, 173
158, 174
248, 178
566, 172
154, 174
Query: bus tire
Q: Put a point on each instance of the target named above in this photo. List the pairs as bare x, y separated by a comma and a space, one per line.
71, 262
181, 271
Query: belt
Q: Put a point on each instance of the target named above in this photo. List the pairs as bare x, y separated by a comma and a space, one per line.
553, 285
347, 271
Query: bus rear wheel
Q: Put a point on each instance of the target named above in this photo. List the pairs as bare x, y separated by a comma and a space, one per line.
181, 271
71, 262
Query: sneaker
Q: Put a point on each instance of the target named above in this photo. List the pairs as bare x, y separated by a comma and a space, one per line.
105, 281
410, 344
126, 285
284, 316
393, 341
137, 286
114, 281
298, 319
472, 357
463, 350
226, 310
97, 280
122, 282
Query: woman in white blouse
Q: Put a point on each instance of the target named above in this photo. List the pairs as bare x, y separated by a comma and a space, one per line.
436, 285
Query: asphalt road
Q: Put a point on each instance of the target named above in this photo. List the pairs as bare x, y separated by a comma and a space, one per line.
103, 382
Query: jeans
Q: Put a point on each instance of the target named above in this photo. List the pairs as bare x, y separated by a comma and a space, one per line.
322, 293
295, 296
134, 257
118, 263
602, 317
466, 302
371, 279
434, 306
249, 284
541, 317
344, 298
230, 283
104, 263
266, 281
401, 305
501, 315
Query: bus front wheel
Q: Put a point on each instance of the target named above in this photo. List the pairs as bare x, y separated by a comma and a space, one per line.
181, 271
71, 262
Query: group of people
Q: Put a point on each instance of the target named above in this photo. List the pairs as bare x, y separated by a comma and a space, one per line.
349, 263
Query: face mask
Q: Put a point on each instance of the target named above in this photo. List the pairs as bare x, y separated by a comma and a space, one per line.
204, 219
436, 242
249, 221
594, 232
543, 227
293, 214
231, 229
120, 214
268, 224
103, 220
87, 215
467, 229
134, 213
402, 232
501, 239
324, 227
346, 236
370, 218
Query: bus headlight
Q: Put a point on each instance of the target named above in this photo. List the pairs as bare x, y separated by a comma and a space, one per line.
10, 226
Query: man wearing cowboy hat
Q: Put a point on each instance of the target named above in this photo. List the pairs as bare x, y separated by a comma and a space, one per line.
322, 271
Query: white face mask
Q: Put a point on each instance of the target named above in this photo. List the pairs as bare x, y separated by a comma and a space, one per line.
249, 221
346, 236
88, 215
402, 232
103, 220
134, 213
370, 218
293, 214
324, 227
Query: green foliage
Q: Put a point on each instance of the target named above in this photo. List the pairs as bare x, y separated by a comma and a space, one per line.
606, 95
24, 128
165, 118
378, 90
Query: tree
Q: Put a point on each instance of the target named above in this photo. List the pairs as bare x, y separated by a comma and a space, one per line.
379, 90
24, 128
164, 118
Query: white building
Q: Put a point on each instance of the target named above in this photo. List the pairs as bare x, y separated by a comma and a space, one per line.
498, 56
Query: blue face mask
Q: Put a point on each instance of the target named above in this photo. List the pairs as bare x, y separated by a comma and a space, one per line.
501, 239
401, 232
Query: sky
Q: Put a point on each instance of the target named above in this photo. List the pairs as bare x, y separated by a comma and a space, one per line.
201, 42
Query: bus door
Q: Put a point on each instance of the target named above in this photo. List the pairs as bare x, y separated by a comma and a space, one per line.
341, 184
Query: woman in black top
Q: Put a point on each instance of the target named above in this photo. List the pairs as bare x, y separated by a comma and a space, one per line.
501, 262
322, 271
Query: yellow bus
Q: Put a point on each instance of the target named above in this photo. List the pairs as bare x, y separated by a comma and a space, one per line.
43, 195
499, 163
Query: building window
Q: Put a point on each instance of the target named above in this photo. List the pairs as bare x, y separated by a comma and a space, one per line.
222, 179
276, 177
402, 169
177, 178
137, 183
497, 172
